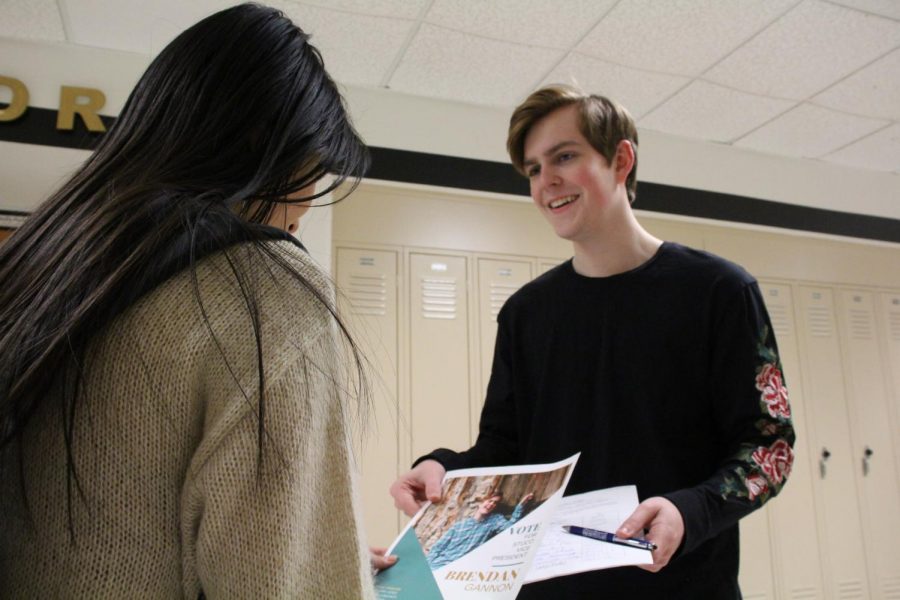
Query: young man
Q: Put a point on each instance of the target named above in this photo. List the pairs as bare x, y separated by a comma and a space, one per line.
655, 361
470, 532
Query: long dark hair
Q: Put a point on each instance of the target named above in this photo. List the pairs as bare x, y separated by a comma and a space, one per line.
231, 117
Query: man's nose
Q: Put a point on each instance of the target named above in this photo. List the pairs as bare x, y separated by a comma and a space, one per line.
549, 177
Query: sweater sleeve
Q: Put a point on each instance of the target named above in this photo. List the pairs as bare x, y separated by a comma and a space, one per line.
285, 526
497, 442
752, 419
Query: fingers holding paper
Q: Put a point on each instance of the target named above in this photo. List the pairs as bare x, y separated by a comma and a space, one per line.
417, 486
380, 559
664, 525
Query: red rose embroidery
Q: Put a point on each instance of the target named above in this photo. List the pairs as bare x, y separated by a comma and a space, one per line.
775, 461
756, 485
770, 382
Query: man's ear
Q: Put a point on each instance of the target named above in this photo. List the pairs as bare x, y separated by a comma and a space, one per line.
624, 160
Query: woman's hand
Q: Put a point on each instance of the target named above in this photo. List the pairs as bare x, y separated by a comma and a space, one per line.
379, 559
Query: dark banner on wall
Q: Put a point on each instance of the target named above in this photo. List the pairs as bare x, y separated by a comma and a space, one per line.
38, 126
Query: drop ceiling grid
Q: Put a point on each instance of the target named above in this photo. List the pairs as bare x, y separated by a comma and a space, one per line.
711, 112
132, 25
873, 91
529, 22
469, 68
810, 132
357, 49
402, 9
885, 8
879, 151
806, 51
683, 37
31, 19
637, 90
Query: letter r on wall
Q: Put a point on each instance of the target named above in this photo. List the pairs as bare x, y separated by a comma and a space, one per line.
88, 111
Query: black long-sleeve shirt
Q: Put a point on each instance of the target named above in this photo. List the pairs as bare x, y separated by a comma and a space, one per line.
667, 377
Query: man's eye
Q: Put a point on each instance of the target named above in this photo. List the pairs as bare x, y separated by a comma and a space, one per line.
533, 172
565, 156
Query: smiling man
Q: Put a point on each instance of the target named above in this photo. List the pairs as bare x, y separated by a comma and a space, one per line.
656, 361
470, 532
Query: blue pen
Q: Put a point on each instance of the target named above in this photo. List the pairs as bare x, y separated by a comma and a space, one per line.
604, 536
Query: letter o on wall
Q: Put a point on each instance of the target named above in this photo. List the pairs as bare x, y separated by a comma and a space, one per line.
19, 101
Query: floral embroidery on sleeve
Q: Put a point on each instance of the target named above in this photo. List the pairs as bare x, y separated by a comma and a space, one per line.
774, 394
764, 469
769, 381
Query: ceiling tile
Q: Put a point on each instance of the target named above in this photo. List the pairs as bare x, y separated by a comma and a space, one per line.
638, 91
133, 25
880, 151
886, 8
873, 91
31, 19
457, 66
403, 9
357, 49
534, 22
678, 36
809, 131
710, 112
807, 50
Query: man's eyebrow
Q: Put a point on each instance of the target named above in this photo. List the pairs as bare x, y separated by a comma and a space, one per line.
551, 150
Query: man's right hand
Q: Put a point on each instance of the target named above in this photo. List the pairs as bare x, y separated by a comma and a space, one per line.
418, 485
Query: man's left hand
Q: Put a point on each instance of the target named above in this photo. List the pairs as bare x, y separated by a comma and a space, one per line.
664, 525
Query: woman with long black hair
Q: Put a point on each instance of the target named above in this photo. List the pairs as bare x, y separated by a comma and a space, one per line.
175, 387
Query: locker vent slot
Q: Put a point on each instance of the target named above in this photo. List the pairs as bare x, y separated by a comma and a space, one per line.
894, 324
891, 587
804, 593
439, 298
861, 325
850, 590
367, 295
781, 320
499, 294
821, 323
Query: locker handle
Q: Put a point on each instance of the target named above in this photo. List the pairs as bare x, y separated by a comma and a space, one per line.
825, 455
867, 454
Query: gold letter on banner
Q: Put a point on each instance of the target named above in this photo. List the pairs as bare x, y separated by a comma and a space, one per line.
69, 105
19, 101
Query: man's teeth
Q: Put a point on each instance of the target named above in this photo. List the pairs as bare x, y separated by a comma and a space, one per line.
562, 201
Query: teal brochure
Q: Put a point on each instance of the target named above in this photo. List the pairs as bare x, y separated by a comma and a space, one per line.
410, 578
480, 540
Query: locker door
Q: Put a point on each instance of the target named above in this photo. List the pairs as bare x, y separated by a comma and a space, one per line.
367, 296
873, 452
838, 508
792, 516
439, 353
497, 280
890, 326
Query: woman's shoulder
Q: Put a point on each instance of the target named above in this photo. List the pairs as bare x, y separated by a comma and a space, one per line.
271, 289
278, 282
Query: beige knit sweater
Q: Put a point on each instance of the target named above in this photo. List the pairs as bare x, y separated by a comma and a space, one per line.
166, 454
